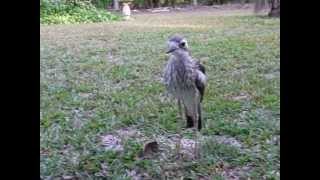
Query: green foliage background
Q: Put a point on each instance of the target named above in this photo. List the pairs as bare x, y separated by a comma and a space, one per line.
90, 11
72, 12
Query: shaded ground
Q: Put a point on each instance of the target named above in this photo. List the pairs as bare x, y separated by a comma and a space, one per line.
216, 9
102, 97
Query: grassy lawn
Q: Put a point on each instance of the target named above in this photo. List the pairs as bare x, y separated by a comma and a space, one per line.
105, 78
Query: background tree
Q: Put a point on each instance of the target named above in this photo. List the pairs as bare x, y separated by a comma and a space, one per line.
274, 6
195, 2
115, 4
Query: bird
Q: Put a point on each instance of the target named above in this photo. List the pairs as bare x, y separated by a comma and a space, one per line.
185, 79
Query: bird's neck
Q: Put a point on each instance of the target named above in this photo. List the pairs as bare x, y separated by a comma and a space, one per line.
182, 54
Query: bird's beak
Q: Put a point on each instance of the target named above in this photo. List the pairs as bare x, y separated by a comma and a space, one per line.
171, 47
170, 50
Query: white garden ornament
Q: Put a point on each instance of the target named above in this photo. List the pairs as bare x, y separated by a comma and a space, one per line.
126, 11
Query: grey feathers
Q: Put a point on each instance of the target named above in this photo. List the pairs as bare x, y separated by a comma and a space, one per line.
185, 78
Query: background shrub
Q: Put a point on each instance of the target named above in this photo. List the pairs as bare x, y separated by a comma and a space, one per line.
70, 12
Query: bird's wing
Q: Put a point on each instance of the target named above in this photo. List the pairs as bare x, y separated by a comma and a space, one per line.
201, 79
201, 67
201, 83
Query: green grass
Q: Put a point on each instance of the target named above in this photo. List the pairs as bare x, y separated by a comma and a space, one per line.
98, 78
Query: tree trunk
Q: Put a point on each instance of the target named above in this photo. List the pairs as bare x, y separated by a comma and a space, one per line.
157, 3
166, 3
260, 5
116, 4
173, 3
275, 8
148, 4
195, 2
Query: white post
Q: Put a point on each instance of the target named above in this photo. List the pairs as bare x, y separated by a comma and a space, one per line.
126, 11
195, 2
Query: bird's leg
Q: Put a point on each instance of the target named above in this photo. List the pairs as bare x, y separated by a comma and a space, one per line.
196, 148
179, 129
190, 121
199, 117
195, 117
180, 110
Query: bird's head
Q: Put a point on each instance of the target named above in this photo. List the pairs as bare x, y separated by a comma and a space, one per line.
177, 42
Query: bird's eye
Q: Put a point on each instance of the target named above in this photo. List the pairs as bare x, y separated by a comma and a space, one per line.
182, 44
